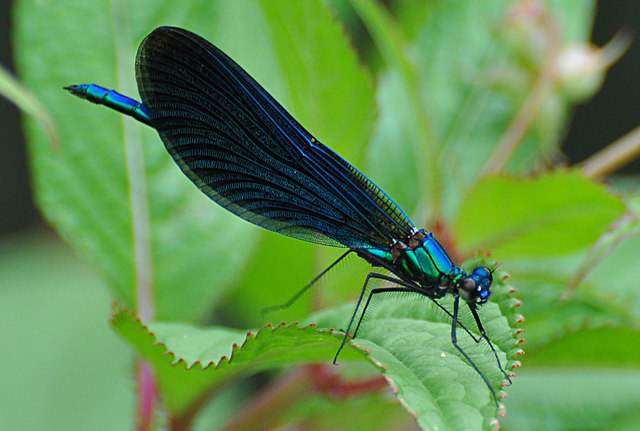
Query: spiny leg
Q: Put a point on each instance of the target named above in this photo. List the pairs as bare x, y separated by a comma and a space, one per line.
298, 294
376, 291
484, 335
355, 312
454, 341
408, 288
451, 315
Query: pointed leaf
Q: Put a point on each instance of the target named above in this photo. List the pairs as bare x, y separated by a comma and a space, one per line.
191, 363
411, 341
140, 220
410, 338
551, 214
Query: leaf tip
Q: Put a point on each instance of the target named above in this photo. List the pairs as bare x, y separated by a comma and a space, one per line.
494, 424
177, 361
519, 318
194, 364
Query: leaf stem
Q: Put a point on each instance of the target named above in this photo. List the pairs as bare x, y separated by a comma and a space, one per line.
542, 88
138, 196
148, 390
521, 123
622, 229
139, 208
15, 92
613, 156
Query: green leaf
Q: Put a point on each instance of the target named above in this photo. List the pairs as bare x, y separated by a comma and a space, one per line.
551, 214
313, 52
192, 363
411, 339
190, 251
391, 148
575, 296
431, 380
84, 188
594, 345
402, 137
550, 316
607, 299
614, 276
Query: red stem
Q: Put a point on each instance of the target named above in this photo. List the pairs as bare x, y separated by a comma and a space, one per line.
147, 394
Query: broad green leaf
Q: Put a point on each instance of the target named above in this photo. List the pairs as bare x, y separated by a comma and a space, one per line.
551, 316
402, 129
330, 92
84, 189
614, 277
606, 299
431, 380
192, 363
391, 145
551, 214
592, 291
595, 345
410, 338
191, 250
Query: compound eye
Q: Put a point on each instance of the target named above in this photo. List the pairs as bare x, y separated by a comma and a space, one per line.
483, 272
485, 277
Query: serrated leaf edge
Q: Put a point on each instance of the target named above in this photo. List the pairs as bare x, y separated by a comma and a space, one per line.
122, 313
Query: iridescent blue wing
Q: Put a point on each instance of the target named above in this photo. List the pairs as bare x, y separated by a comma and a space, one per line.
243, 149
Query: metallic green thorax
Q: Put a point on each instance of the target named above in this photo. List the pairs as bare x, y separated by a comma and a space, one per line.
422, 260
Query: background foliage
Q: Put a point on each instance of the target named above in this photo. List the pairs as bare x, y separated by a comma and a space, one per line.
420, 107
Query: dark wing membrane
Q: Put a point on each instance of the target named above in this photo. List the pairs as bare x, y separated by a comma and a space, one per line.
242, 149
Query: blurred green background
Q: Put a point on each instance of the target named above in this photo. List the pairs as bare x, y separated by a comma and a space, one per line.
65, 368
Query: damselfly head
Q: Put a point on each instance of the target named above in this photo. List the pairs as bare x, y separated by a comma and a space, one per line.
475, 286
